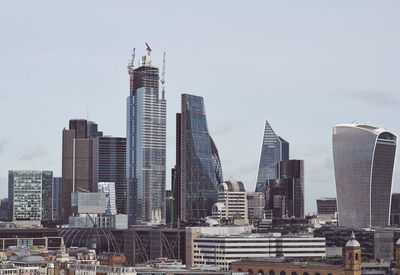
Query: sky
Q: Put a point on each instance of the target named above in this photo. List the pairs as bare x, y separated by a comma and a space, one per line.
304, 66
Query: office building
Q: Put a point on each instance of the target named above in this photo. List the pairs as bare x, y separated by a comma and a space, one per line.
198, 168
30, 195
286, 193
222, 251
146, 145
108, 188
395, 209
232, 203
77, 161
57, 199
327, 209
363, 158
274, 149
4, 210
109, 165
256, 206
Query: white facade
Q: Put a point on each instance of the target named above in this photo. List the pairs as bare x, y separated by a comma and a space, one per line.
223, 250
232, 202
108, 188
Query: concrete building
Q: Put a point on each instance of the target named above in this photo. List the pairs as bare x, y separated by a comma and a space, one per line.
256, 206
363, 158
327, 209
232, 203
224, 250
30, 195
108, 188
145, 144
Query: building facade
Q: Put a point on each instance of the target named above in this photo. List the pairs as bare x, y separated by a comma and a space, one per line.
108, 188
224, 250
109, 165
274, 149
364, 163
327, 209
145, 145
256, 206
77, 161
232, 202
30, 195
4, 213
198, 168
395, 209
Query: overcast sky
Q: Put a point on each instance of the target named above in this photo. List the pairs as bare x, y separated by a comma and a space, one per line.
302, 65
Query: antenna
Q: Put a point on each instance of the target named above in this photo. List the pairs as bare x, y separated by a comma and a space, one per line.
148, 49
163, 78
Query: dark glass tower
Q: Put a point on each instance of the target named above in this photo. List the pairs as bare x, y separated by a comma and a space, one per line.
109, 165
274, 149
57, 199
198, 168
286, 194
145, 145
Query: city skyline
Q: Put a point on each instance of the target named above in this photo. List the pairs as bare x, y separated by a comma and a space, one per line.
310, 61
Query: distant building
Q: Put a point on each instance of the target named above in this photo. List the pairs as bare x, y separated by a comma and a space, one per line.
327, 209
77, 161
109, 165
4, 210
274, 149
256, 206
30, 195
395, 209
363, 158
198, 168
145, 144
232, 203
286, 193
57, 199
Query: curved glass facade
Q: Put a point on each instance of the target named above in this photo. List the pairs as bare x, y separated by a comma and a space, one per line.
198, 167
274, 149
364, 160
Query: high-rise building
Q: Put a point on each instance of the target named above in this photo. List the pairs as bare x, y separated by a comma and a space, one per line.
274, 149
109, 165
256, 206
363, 159
286, 193
4, 210
77, 161
145, 144
30, 195
198, 168
395, 209
57, 199
327, 209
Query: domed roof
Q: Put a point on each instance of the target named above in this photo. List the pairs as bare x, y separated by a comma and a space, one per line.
352, 242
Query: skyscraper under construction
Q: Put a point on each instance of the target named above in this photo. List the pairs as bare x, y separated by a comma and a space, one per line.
146, 144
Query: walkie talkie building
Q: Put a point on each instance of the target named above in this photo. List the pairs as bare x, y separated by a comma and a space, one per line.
364, 159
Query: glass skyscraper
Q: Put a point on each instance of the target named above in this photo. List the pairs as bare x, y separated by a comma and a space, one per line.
146, 145
30, 195
57, 199
198, 168
274, 149
363, 158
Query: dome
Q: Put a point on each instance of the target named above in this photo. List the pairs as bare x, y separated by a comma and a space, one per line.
352, 242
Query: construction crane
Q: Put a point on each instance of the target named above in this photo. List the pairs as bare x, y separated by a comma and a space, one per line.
163, 78
148, 49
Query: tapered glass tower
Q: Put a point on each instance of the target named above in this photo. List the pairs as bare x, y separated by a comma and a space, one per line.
198, 168
274, 149
146, 145
363, 158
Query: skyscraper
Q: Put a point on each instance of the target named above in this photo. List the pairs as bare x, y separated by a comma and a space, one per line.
77, 161
109, 165
274, 149
57, 199
198, 168
286, 193
30, 195
146, 145
363, 158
